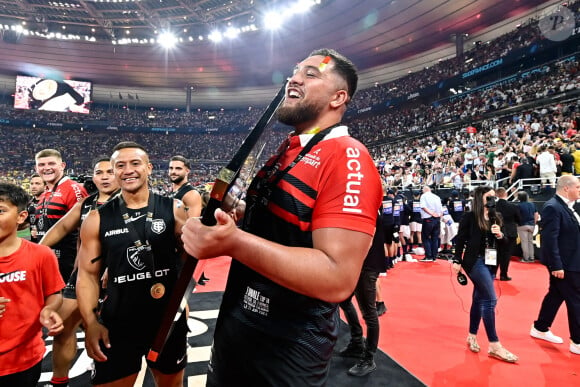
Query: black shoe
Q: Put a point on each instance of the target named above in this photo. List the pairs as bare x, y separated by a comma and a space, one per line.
505, 278
381, 308
203, 278
363, 367
201, 282
427, 260
354, 349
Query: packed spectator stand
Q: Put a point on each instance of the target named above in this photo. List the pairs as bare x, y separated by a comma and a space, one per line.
415, 129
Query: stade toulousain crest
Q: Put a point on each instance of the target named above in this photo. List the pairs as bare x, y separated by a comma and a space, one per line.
158, 226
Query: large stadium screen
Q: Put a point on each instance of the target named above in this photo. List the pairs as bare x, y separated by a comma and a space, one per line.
52, 95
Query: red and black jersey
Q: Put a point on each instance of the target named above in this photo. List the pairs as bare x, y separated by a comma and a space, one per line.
335, 184
52, 206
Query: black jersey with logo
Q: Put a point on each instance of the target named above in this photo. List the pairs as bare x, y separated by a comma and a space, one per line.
132, 273
180, 193
89, 204
388, 215
416, 211
31, 208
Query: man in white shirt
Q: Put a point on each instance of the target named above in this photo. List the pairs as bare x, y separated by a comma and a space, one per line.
547, 166
431, 213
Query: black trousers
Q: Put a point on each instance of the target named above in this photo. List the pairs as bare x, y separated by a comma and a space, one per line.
504, 254
365, 293
430, 233
565, 290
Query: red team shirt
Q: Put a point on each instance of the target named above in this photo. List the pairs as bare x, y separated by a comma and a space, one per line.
28, 276
348, 189
55, 204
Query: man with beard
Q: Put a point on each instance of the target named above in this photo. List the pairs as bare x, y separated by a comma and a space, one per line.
308, 225
60, 195
179, 168
36, 189
136, 237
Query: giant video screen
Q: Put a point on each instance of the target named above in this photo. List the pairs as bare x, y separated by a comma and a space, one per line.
52, 95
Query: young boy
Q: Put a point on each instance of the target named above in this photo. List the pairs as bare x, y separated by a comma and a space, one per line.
30, 285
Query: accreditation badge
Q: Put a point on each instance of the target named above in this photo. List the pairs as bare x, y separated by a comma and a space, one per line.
491, 257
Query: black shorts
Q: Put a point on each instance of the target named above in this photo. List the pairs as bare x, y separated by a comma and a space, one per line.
66, 262
127, 349
70, 290
388, 230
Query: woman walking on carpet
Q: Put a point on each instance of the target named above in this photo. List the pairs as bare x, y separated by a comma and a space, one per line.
476, 250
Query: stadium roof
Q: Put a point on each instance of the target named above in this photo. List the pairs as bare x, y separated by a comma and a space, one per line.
115, 42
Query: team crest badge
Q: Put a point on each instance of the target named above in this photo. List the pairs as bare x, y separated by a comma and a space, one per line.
158, 226
134, 258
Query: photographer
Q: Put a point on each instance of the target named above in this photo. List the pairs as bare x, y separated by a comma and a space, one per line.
478, 236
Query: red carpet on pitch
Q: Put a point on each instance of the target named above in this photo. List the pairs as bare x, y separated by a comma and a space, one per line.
426, 324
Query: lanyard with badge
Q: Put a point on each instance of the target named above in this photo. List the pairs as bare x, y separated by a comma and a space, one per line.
44, 210
273, 175
143, 250
490, 255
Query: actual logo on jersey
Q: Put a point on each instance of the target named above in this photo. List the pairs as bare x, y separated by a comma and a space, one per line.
158, 226
134, 258
40, 223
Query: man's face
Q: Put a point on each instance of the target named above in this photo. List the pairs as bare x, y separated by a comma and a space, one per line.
104, 178
177, 171
50, 169
309, 91
574, 190
132, 169
36, 186
10, 218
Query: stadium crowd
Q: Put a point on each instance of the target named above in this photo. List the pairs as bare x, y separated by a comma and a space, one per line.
406, 141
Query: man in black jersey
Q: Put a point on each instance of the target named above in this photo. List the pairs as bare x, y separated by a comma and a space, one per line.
36, 189
308, 225
181, 189
65, 344
136, 236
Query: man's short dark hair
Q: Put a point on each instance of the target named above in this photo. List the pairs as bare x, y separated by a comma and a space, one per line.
100, 159
15, 195
183, 160
343, 66
128, 144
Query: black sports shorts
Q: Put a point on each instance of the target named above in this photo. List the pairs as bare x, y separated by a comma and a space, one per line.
128, 348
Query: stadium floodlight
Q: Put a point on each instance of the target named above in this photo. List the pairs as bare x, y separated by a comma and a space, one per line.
232, 33
301, 6
215, 36
273, 21
167, 40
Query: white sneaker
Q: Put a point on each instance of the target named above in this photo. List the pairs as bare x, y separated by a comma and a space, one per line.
552, 338
409, 258
574, 348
